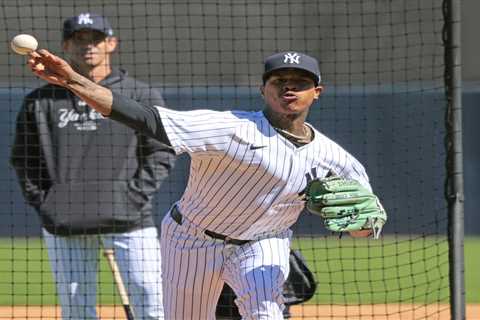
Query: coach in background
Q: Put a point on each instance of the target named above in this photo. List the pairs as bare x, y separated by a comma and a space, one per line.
91, 179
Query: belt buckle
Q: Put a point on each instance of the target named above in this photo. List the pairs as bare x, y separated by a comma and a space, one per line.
227, 240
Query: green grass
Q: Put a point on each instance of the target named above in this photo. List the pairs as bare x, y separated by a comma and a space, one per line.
26, 275
349, 271
361, 271
472, 268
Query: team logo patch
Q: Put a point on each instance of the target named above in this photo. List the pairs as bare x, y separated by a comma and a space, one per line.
85, 121
291, 58
84, 18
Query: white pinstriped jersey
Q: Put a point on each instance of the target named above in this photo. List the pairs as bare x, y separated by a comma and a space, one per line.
246, 179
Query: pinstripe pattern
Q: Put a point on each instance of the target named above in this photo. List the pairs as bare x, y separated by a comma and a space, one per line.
74, 262
246, 182
195, 267
240, 192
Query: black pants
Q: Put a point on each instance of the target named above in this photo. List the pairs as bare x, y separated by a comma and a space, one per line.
227, 309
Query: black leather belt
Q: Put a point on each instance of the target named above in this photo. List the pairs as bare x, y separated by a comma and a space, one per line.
177, 217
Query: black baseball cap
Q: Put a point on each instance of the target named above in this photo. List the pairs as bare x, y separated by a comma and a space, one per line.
90, 21
292, 60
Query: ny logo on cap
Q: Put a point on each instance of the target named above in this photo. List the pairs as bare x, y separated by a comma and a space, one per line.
291, 58
84, 18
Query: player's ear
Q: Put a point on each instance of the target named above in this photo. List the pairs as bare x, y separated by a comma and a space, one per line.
318, 91
262, 90
112, 43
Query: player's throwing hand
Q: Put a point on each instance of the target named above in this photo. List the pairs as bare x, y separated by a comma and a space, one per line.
50, 67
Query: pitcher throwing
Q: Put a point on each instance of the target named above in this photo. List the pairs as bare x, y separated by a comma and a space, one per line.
248, 175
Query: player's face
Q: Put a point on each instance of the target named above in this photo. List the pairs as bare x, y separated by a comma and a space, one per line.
290, 91
89, 48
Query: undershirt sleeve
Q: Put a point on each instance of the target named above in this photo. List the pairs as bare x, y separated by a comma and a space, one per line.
143, 119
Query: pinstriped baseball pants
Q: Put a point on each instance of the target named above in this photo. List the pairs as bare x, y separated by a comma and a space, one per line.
195, 267
74, 261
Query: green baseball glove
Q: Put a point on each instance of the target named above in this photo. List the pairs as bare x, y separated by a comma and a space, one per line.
345, 205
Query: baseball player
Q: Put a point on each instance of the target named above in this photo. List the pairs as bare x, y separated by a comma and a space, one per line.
246, 187
92, 179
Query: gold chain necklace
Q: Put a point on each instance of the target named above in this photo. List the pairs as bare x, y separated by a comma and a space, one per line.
306, 134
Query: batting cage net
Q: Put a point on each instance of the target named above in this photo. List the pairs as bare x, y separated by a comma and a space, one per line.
74, 183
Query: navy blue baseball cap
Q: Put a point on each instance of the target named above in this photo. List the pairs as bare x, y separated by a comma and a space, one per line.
292, 60
89, 21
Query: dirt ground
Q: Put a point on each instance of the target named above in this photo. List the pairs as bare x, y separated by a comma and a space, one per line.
304, 312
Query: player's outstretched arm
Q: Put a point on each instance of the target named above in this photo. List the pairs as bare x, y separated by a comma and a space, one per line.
55, 70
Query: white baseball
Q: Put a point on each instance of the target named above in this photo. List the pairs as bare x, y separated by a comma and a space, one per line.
24, 44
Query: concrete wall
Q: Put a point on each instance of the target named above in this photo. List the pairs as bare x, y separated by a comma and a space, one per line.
198, 42
330, 26
470, 40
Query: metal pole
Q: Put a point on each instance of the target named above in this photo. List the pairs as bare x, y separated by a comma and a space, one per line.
454, 181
